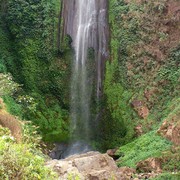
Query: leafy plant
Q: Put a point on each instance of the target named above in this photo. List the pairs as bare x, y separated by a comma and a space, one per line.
21, 161
7, 85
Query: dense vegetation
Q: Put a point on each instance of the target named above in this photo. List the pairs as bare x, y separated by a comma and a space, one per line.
144, 64
23, 160
143, 67
35, 65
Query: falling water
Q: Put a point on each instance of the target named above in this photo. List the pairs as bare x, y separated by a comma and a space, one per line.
86, 22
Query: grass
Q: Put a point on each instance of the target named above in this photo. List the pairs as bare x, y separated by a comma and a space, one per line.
148, 145
167, 176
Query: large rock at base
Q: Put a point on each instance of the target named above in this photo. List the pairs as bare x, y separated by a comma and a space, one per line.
150, 165
171, 131
89, 166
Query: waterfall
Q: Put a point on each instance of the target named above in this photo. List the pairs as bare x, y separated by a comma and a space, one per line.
81, 85
86, 22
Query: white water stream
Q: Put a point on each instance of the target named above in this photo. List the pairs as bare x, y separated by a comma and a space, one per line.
81, 85
86, 22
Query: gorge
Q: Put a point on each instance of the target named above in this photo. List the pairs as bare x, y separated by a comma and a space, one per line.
89, 89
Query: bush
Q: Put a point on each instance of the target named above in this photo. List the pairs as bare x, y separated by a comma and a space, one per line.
21, 161
7, 85
12, 106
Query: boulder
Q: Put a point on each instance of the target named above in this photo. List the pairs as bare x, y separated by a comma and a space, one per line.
88, 166
112, 153
58, 151
150, 165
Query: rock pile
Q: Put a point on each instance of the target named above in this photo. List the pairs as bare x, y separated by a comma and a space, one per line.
88, 166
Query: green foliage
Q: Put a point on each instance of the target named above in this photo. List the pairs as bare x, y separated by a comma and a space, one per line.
21, 161
7, 55
136, 66
53, 124
148, 145
12, 106
118, 124
31, 136
43, 99
172, 161
31, 27
124, 36
72, 176
173, 110
7, 85
170, 70
51, 119
27, 19
28, 103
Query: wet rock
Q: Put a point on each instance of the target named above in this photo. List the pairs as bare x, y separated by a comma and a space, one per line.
63, 150
88, 166
58, 151
112, 153
150, 165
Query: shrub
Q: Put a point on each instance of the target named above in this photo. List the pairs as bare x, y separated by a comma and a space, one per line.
12, 106
7, 85
21, 161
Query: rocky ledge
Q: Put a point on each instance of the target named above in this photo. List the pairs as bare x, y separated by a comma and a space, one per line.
95, 166
88, 166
